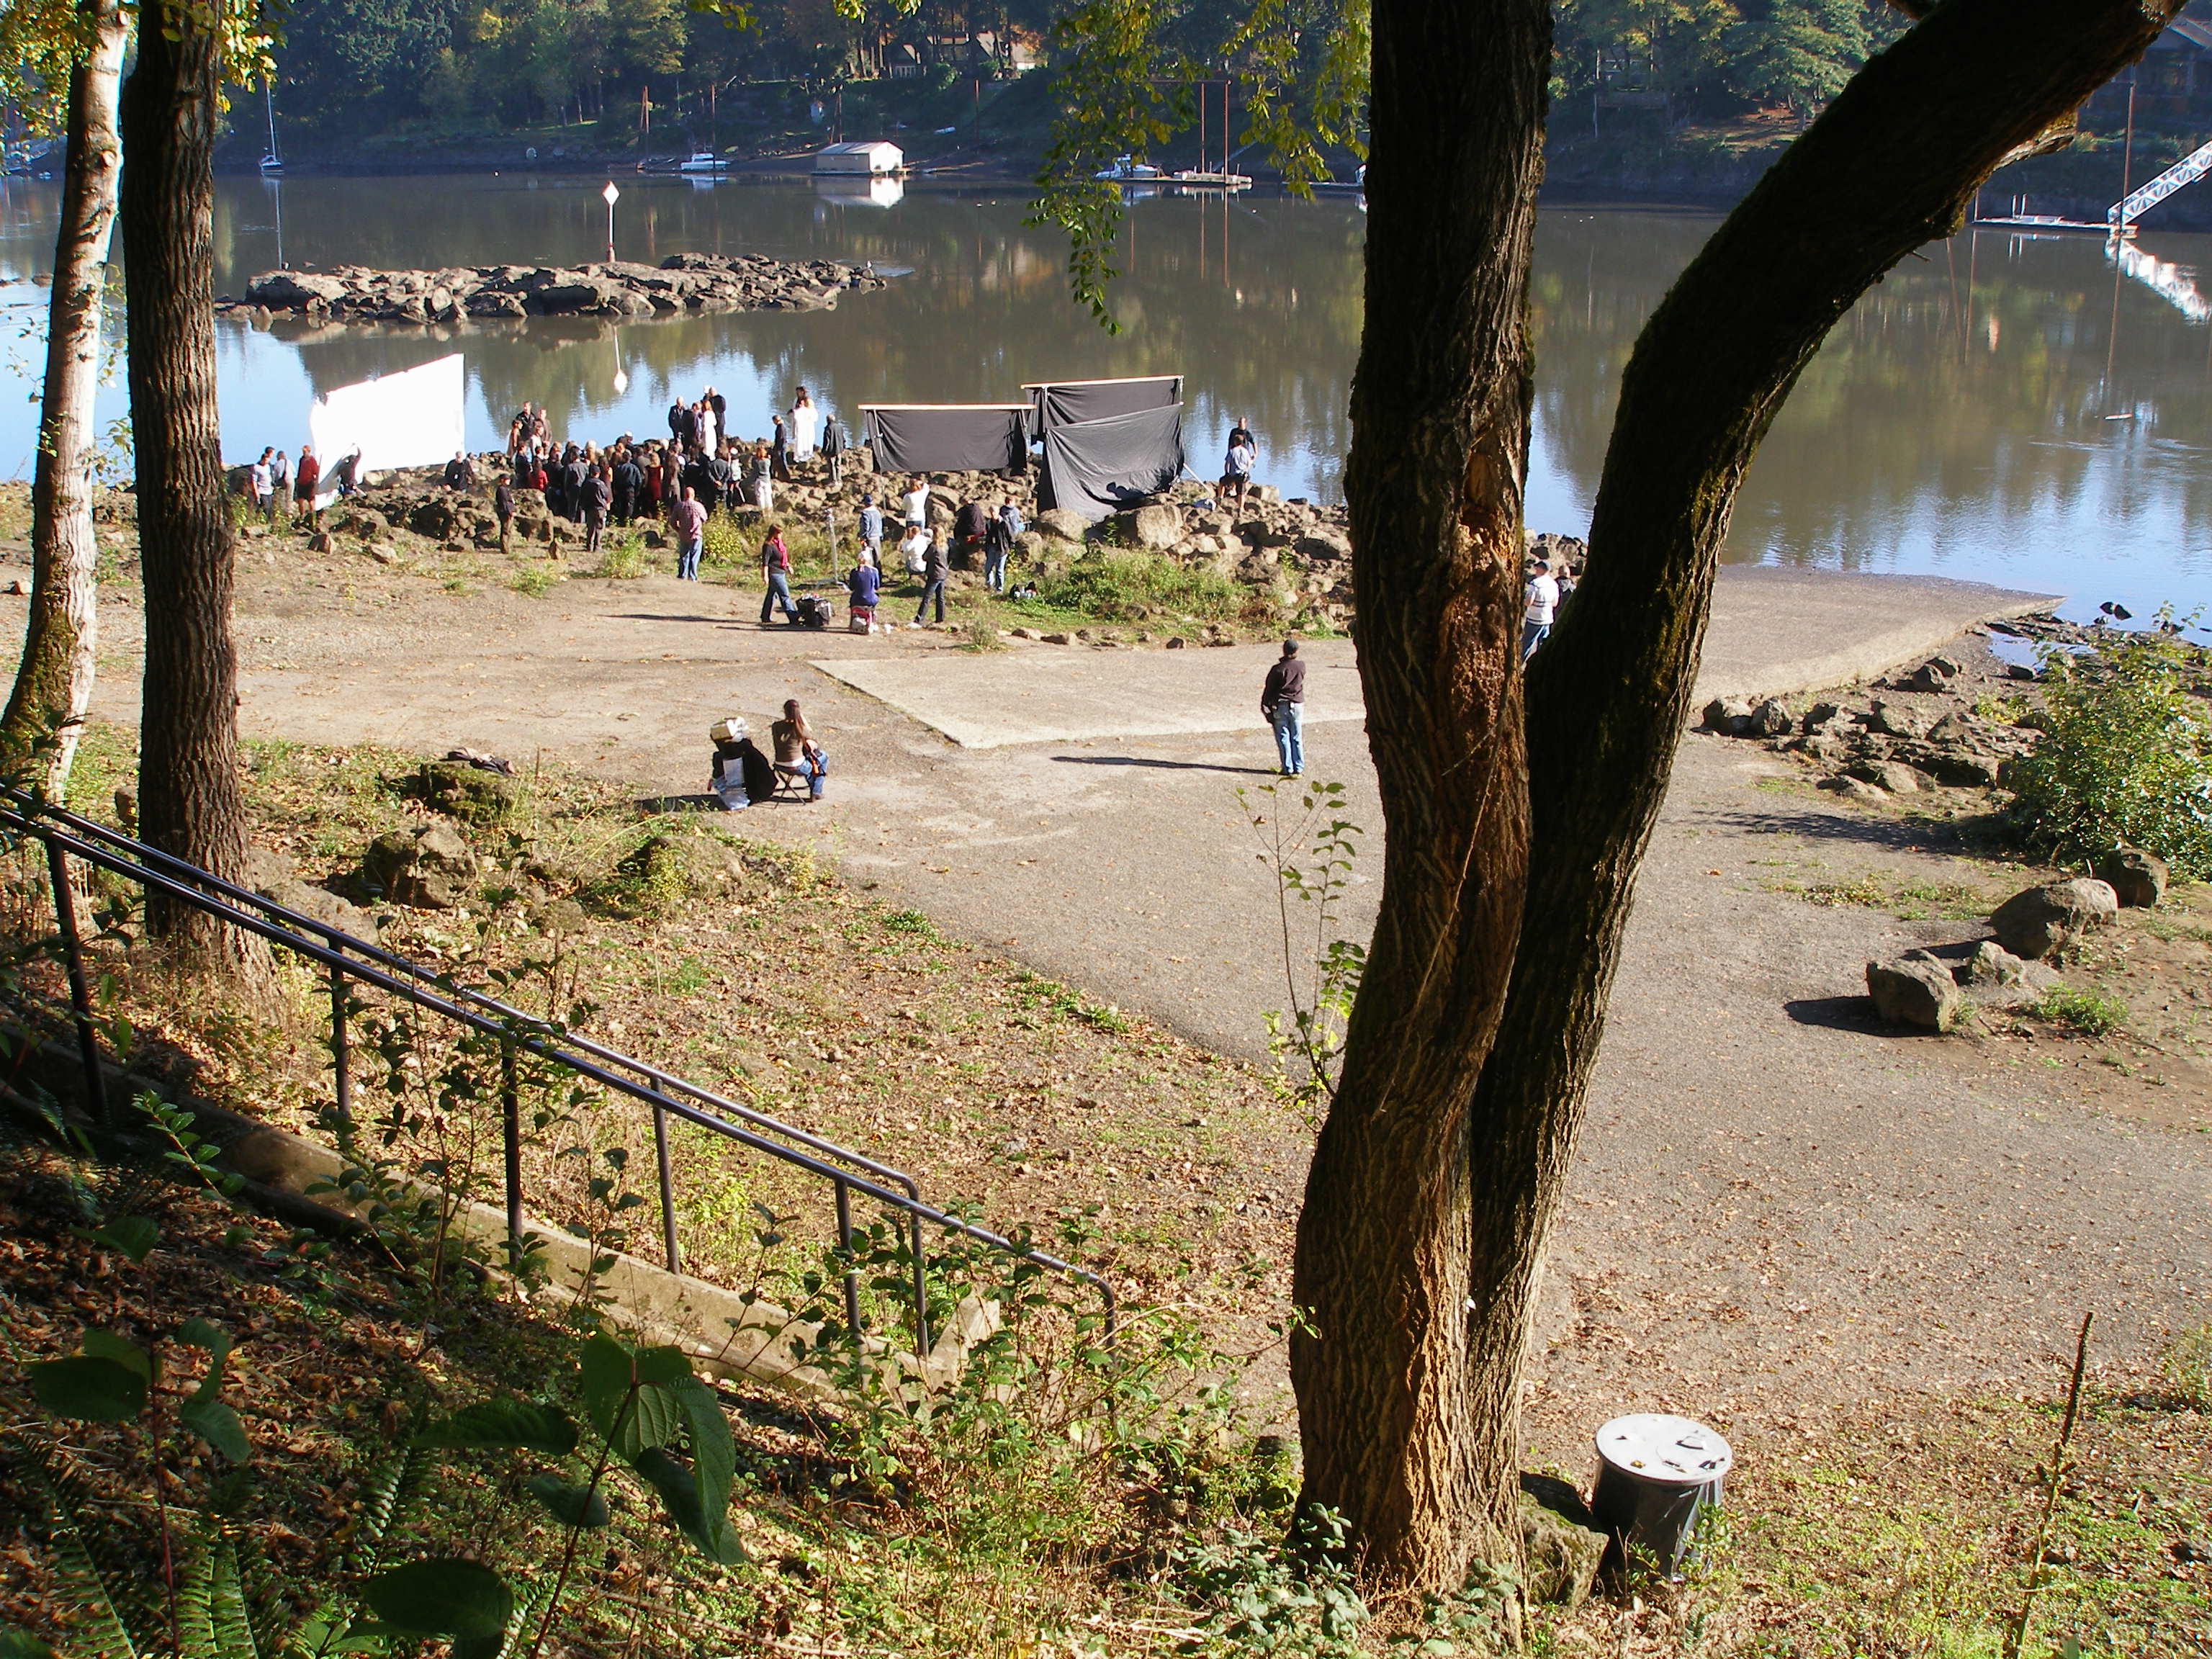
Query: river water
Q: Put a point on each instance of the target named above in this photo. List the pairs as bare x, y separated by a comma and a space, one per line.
2007, 409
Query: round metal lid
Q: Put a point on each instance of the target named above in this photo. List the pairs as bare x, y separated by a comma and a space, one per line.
1652, 1446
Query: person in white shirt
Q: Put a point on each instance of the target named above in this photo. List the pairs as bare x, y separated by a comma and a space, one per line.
914, 548
805, 427
258, 478
917, 502
1543, 597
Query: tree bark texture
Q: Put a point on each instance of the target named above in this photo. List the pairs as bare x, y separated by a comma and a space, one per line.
53, 682
1406, 1405
1438, 1169
191, 803
1894, 163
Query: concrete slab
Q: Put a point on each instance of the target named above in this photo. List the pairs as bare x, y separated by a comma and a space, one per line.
991, 700
1777, 631
1774, 632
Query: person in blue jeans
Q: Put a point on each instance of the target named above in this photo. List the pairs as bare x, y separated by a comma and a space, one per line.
797, 752
1283, 701
776, 567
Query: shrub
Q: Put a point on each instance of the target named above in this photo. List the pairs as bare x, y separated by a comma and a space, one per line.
2085, 1012
1119, 584
622, 557
2125, 759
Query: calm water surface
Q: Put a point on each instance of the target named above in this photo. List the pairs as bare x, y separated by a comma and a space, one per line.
2010, 409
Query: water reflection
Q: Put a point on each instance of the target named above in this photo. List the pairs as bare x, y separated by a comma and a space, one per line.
2015, 408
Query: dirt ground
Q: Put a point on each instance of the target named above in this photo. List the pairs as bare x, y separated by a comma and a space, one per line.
1779, 1210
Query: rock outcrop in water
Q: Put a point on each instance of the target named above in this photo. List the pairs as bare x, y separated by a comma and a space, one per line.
685, 282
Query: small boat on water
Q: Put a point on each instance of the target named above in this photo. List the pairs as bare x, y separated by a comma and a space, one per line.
1128, 170
701, 161
1194, 180
271, 162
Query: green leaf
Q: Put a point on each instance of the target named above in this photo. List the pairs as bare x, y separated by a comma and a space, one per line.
662, 1365
679, 1496
654, 1419
216, 1424
713, 1467
444, 1595
88, 1388
605, 1364
106, 1345
133, 1237
493, 1424
22, 1644
208, 1336
572, 1505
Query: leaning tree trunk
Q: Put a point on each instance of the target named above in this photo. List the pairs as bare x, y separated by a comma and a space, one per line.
190, 799
1407, 1423
53, 682
1427, 1213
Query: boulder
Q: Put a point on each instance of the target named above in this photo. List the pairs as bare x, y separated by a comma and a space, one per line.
1730, 716
1900, 720
1561, 1541
1915, 989
1826, 717
290, 290
2137, 879
1934, 675
2050, 921
1857, 790
1993, 975
1770, 719
468, 793
1157, 528
321, 904
1894, 776
1323, 544
428, 869
672, 866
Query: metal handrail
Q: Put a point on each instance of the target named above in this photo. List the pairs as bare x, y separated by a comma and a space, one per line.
67, 835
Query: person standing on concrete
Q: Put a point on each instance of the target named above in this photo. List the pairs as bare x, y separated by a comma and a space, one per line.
872, 531
935, 568
688, 520
502, 506
775, 568
1283, 701
1543, 596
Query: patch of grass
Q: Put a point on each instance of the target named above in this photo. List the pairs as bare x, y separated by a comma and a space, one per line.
621, 555
983, 636
2090, 1013
2187, 1363
912, 922
535, 582
1919, 901
2005, 711
1119, 585
1835, 895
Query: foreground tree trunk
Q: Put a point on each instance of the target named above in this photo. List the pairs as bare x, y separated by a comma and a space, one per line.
1406, 1429
53, 683
1427, 1212
190, 799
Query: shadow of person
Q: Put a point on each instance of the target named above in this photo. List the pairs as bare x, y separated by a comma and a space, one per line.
1167, 765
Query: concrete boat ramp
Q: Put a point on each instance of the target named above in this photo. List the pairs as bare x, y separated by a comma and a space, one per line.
1774, 632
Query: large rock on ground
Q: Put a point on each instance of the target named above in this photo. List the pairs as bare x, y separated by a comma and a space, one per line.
1730, 716
286, 290
1993, 975
321, 904
2137, 879
1560, 1539
1062, 524
468, 793
1156, 528
1915, 989
428, 869
2051, 920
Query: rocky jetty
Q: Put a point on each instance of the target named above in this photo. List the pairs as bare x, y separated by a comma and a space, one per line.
683, 282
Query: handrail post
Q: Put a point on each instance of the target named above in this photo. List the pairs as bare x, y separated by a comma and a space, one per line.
88, 1041
510, 1101
852, 1278
667, 1180
341, 1055
920, 1292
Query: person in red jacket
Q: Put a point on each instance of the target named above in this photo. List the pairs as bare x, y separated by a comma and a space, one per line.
775, 568
306, 479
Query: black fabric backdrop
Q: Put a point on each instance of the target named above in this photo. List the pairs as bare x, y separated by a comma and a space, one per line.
1098, 467
1065, 405
956, 438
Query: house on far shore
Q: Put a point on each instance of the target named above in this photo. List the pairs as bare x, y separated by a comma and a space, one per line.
874, 157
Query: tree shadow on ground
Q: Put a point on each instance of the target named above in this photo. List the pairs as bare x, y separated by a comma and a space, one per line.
1891, 834
1167, 765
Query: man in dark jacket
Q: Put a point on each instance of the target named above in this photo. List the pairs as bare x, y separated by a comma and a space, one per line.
503, 503
935, 568
598, 496
629, 484
1283, 701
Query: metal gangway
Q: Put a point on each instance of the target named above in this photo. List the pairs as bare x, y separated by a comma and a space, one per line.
2131, 207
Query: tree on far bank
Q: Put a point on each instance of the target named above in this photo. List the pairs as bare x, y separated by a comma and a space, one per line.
1518, 807
191, 802
1799, 53
79, 47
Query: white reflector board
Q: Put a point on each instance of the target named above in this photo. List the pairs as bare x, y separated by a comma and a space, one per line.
413, 418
